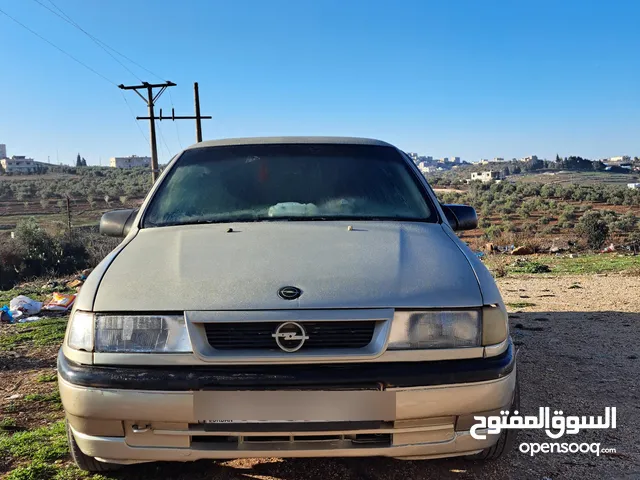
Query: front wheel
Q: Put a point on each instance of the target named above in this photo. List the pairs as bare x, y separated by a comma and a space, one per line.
507, 437
85, 462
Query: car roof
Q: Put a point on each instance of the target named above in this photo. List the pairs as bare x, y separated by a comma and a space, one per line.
289, 140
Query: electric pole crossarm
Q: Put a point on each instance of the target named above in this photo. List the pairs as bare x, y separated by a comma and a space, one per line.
176, 117
145, 85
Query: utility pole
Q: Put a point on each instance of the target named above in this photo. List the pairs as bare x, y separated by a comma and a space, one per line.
196, 97
150, 101
197, 117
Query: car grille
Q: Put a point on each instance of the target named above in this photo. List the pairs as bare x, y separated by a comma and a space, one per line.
258, 335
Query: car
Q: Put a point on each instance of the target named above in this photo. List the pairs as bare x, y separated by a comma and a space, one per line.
287, 297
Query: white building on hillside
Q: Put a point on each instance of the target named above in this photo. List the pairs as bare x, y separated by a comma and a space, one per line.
487, 176
18, 164
132, 161
633, 186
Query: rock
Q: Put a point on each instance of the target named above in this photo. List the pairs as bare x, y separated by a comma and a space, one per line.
522, 251
87, 272
14, 396
490, 247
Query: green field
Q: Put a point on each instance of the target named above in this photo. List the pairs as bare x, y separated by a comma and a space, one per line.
563, 265
582, 178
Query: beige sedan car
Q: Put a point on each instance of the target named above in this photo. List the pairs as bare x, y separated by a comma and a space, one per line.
287, 297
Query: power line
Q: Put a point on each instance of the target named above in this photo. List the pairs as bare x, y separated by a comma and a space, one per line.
162, 138
100, 42
134, 117
68, 19
57, 47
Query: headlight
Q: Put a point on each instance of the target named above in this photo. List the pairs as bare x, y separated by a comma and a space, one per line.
141, 334
435, 329
80, 336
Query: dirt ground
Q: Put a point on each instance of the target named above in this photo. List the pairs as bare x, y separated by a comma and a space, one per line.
578, 351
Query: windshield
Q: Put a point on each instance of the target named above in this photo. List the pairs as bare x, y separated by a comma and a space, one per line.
289, 182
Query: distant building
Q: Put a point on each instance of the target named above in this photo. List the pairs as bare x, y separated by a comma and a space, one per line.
530, 158
3, 150
413, 156
623, 158
633, 186
18, 164
497, 159
425, 168
487, 176
129, 162
454, 159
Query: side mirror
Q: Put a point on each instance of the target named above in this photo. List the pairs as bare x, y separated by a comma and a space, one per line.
461, 217
117, 223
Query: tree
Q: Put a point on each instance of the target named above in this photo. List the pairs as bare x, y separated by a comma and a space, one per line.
516, 169
84, 162
594, 228
78, 161
558, 159
506, 171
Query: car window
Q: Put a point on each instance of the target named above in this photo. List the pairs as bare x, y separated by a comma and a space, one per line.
293, 182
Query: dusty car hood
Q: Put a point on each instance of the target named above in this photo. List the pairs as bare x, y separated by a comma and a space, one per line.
202, 267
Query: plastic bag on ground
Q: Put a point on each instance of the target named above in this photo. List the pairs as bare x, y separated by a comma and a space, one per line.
24, 304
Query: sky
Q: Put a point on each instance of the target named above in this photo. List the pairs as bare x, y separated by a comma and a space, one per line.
468, 78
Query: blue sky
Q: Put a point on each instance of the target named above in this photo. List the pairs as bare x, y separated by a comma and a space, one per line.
468, 78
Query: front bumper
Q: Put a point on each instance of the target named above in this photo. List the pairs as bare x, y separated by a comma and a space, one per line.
131, 421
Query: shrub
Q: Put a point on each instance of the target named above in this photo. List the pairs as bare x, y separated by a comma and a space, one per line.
37, 248
545, 220
633, 240
10, 261
535, 267
594, 228
493, 232
34, 253
530, 228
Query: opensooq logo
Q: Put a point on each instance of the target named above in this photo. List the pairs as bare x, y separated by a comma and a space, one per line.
555, 426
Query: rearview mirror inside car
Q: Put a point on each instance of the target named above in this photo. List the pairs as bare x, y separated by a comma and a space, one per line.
117, 223
461, 217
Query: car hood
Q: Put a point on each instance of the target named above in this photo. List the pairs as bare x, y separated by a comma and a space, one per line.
204, 267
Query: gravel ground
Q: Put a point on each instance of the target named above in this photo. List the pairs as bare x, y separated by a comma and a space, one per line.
577, 339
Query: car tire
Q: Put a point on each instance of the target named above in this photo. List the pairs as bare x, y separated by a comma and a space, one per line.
85, 462
507, 437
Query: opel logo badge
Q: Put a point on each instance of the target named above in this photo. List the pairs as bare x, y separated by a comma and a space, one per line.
289, 293
290, 336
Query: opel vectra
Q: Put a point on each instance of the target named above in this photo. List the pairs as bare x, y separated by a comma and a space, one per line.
286, 297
